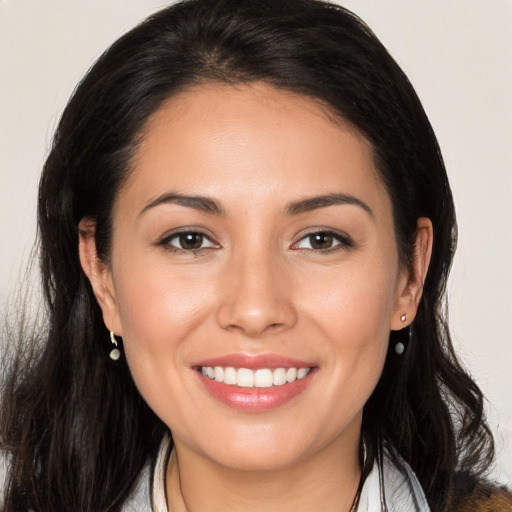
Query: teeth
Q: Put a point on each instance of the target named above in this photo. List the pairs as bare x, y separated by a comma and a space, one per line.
291, 374
279, 376
230, 376
302, 372
218, 372
245, 378
261, 378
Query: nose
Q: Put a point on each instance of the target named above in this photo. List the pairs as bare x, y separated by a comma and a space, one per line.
257, 297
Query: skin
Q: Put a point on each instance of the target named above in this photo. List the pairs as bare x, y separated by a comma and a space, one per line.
257, 286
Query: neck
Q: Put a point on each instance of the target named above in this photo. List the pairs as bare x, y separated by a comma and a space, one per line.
327, 481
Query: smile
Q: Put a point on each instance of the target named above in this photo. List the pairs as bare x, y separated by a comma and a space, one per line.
255, 383
257, 378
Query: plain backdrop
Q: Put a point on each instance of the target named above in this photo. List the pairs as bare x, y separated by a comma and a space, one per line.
458, 55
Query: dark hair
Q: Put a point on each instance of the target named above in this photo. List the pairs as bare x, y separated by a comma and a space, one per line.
76, 429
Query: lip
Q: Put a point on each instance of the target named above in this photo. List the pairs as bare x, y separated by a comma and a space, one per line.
253, 400
253, 362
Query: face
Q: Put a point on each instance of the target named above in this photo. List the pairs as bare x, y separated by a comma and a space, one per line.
254, 275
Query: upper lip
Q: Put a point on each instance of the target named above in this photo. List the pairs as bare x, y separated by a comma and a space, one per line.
253, 362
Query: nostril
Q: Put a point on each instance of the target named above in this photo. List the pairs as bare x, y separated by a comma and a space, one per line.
254, 310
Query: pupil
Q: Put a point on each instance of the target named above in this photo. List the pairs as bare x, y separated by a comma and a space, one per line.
191, 240
321, 241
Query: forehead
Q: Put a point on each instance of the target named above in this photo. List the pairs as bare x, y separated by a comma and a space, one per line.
252, 143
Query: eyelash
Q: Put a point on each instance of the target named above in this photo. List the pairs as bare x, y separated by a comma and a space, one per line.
166, 241
344, 242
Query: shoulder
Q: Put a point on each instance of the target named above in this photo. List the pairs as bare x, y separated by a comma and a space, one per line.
474, 495
140, 498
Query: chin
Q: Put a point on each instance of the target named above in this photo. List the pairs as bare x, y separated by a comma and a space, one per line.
264, 448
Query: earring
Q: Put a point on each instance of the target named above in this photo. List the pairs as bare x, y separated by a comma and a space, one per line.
400, 347
115, 353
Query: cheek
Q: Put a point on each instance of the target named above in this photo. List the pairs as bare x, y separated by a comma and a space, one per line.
353, 313
158, 308
356, 303
158, 313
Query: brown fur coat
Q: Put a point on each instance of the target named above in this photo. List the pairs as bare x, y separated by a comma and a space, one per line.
472, 495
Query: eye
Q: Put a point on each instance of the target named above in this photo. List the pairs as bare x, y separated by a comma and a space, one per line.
188, 241
323, 241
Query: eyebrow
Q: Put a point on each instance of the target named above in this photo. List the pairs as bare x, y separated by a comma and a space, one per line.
201, 203
208, 205
314, 203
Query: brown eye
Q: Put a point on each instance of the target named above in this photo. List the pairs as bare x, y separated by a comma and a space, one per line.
324, 241
190, 241
321, 240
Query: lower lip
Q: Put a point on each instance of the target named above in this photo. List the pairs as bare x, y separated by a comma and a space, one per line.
255, 399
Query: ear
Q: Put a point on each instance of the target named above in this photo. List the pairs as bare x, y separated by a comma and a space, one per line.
99, 274
410, 286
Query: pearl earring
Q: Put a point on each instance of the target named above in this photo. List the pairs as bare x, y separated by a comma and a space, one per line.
400, 347
115, 353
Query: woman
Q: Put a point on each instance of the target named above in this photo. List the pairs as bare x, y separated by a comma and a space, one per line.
246, 230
